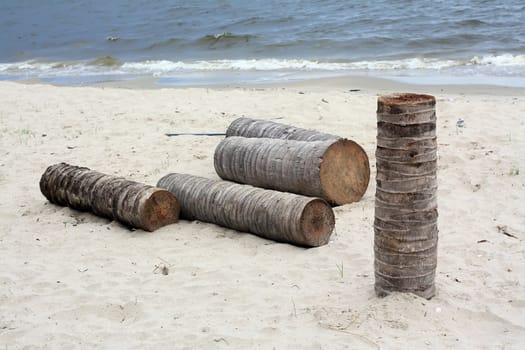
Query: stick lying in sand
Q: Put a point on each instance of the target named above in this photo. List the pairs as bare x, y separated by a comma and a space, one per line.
196, 134
336, 170
135, 204
283, 217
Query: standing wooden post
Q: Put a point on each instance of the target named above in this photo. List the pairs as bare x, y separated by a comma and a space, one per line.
133, 203
336, 170
405, 226
283, 217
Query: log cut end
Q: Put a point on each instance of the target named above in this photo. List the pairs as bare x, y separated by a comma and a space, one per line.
160, 209
344, 173
403, 99
317, 223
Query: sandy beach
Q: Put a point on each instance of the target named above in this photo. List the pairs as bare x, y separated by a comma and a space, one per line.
72, 280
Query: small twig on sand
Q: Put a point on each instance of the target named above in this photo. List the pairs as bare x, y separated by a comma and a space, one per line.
360, 336
221, 339
504, 230
164, 267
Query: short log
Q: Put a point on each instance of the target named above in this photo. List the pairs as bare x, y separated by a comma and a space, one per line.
258, 128
405, 225
336, 170
283, 217
132, 203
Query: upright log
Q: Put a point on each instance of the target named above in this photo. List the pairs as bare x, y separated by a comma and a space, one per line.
336, 170
405, 225
279, 216
134, 204
257, 128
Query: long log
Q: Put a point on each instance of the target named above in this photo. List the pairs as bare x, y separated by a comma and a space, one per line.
336, 170
132, 203
283, 217
405, 226
257, 128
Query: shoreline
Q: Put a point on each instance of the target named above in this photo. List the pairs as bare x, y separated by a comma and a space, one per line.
350, 82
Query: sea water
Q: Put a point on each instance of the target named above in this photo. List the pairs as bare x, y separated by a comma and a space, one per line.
222, 41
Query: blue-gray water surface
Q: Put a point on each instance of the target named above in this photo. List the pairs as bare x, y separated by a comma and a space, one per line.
68, 39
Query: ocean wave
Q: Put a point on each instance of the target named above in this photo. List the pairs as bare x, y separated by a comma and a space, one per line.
164, 66
220, 40
449, 40
470, 23
499, 60
106, 61
164, 44
508, 63
225, 38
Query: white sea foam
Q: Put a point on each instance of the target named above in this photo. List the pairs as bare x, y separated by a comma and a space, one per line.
296, 64
496, 65
26, 66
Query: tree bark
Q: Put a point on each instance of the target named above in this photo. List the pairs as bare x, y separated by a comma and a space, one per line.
134, 204
256, 128
405, 226
279, 216
336, 170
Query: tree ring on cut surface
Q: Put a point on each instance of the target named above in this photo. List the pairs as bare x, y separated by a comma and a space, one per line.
317, 222
160, 209
345, 172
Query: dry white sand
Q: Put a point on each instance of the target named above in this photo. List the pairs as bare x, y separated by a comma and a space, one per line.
71, 280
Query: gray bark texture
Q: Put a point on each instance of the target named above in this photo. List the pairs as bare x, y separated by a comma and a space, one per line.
132, 203
257, 128
405, 226
283, 217
336, 170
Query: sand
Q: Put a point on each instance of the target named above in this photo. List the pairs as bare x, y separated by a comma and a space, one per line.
71, 280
